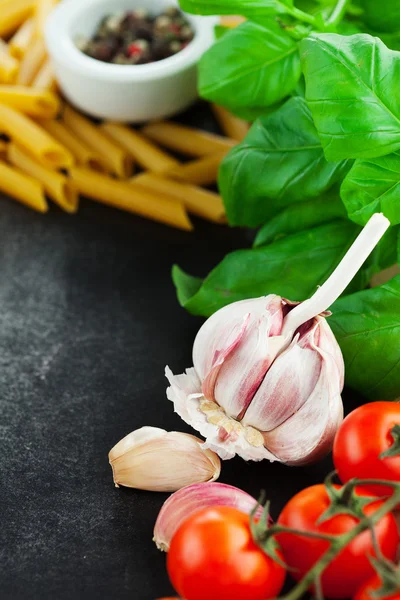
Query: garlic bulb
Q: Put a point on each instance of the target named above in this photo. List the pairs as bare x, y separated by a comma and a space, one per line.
192, 498
268, 374
156, 460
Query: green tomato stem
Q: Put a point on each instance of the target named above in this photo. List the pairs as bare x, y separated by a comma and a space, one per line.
337, 543
338, 12
394, 449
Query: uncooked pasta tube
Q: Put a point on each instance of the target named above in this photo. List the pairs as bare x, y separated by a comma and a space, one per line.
43, 9
21, 40
202, 171
124, 196
146, 154
232, 126
35, 103
22, 187
8, 64
187, 140
115, 158
197, 201
84, 156
3, 149
13, 13
45, 78
32, 62
34, 139
56, 185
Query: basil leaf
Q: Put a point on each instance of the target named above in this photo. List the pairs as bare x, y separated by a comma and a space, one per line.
391, 40
367, 327
250, 66
373, 186
186, 285
301, 216
350, 88
385, 253
292, 267
220, 31
382, 15
245, 8
281, 161
350, 27
255, 112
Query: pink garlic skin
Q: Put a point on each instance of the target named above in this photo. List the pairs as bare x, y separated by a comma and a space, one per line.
192, 498
249, 397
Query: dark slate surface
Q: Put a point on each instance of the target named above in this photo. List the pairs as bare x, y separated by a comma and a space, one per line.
88, 320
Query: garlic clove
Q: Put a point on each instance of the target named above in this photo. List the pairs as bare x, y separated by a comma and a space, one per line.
193, 498
232, 351
156, 460
308, 435
286, 387
215, 334
244, 370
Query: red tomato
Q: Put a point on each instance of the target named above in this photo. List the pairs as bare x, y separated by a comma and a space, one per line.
213, 556
361, 439
366, 591
351, 567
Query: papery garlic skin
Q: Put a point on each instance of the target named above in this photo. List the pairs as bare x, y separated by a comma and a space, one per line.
156, 460
193, 498
251, 393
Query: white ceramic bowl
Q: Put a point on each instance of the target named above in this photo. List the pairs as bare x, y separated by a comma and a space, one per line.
122, 92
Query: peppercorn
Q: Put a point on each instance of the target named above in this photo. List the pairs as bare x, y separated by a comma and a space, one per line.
135, 37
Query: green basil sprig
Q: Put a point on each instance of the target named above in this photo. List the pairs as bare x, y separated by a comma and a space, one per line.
313, 167
371, 186
350, 83
251, 66
280, 162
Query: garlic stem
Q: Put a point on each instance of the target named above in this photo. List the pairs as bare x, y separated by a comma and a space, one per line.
326, 295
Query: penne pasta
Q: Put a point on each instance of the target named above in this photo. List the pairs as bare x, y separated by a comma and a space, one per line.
3, 149
34, 139
124, 196
231, 21
197, 201
115, 158
32, 61
187, 140
232, 126
35, 103
45, 78
21, 40
43, 9
22, 187
203, 171
142, 150
13, 13
56, 185
84, 156
8, 64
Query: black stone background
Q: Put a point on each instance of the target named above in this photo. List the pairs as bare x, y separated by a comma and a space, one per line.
88, 320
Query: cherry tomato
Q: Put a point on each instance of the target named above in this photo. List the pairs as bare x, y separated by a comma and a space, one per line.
351, 567
213, 556
366, 591
361, 439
